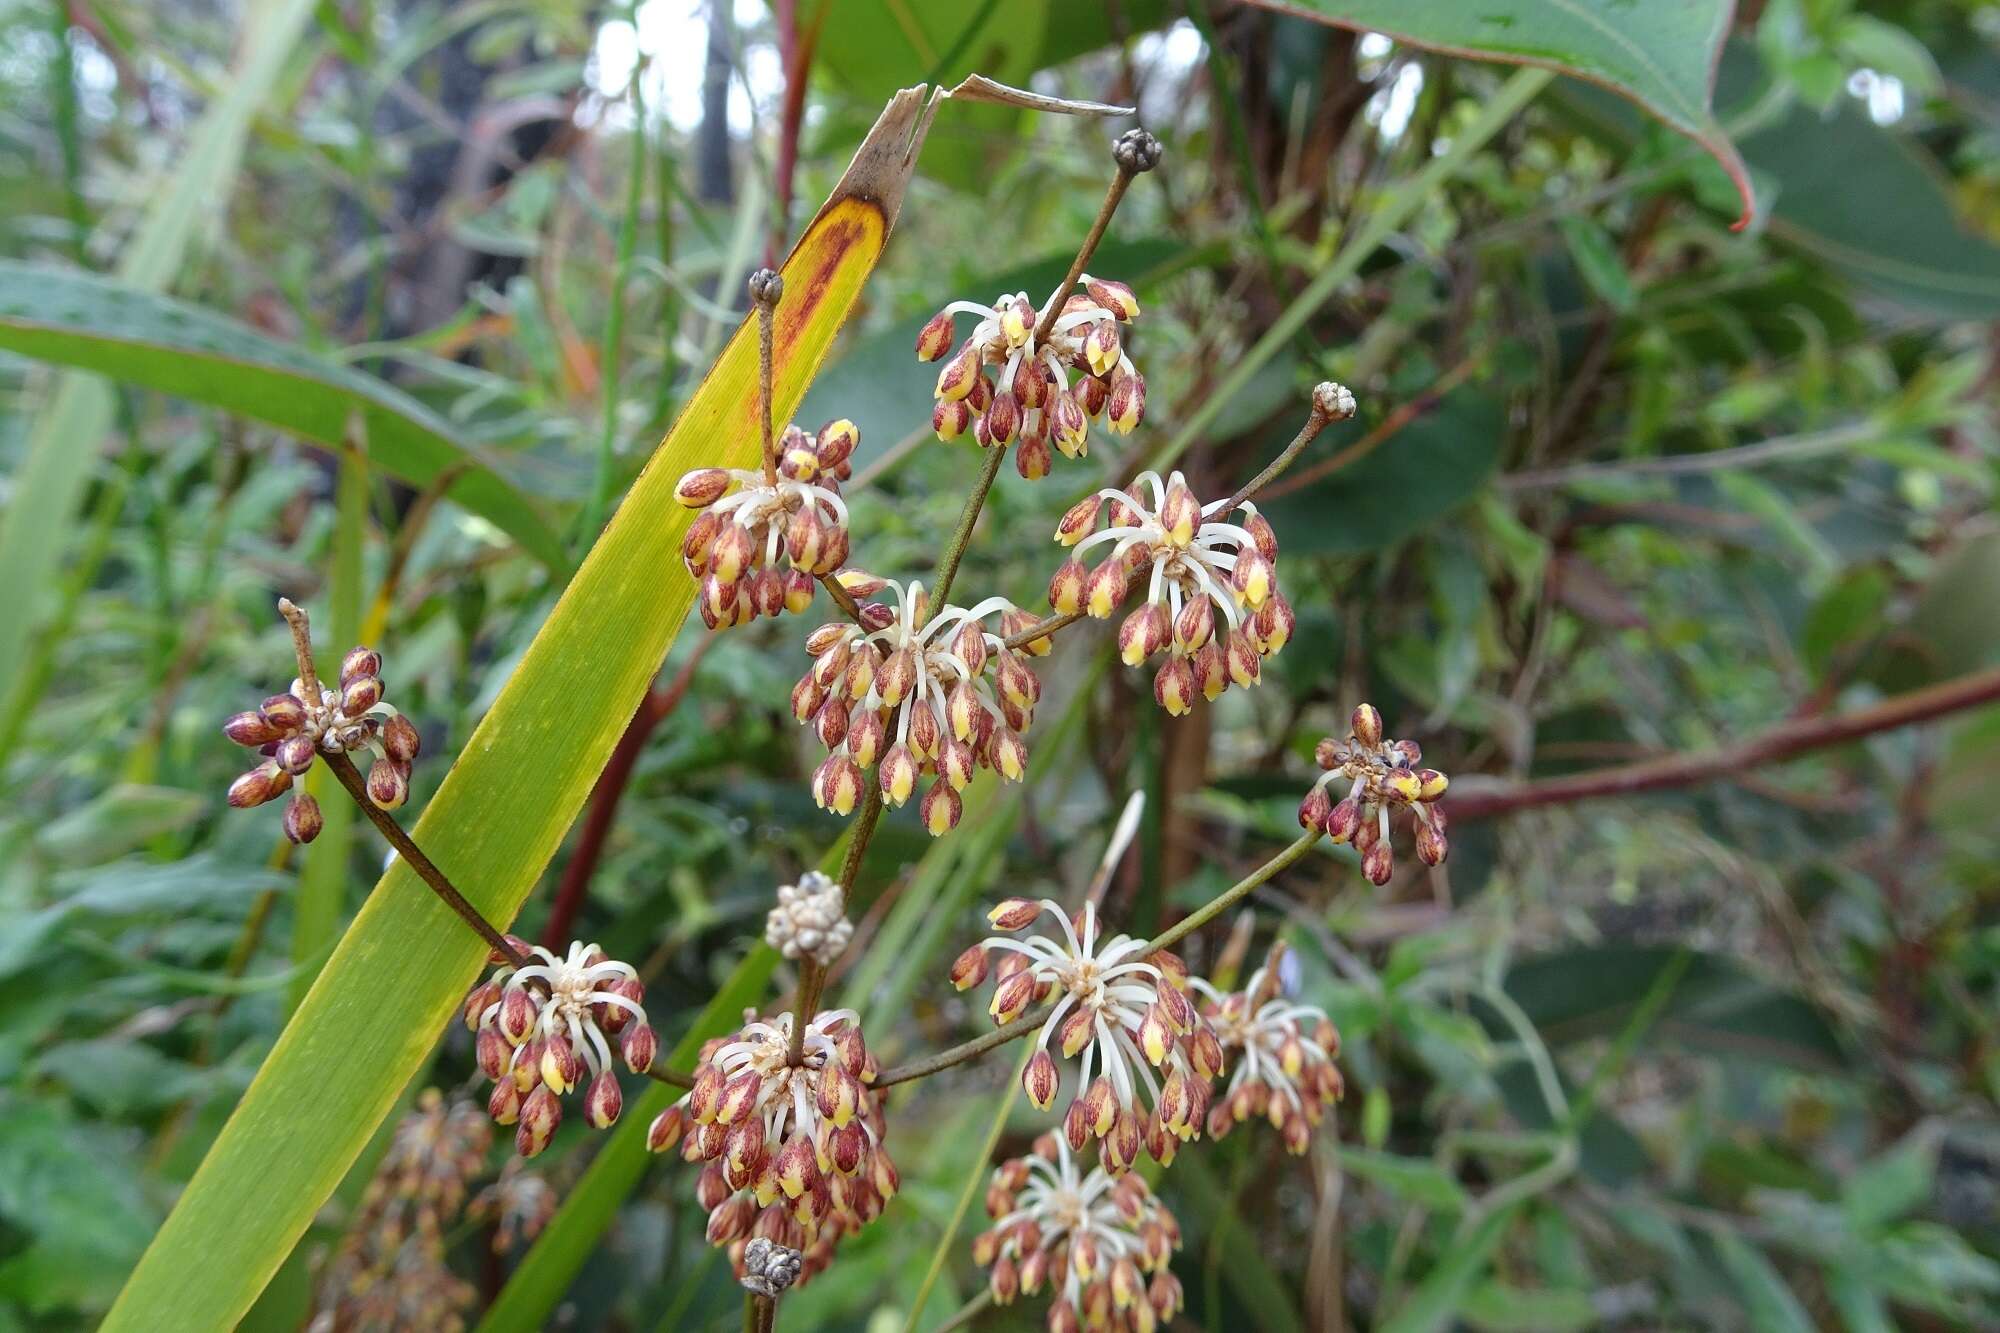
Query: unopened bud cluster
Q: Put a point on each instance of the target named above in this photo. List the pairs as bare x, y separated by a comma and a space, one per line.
810, 920
1283, 1054
1003, 384
1382, 775
1126, 1012
1212, 601
916, 695
290, 729
1092, 1240
760, 543
794, 1151
545, 1029
769, 1268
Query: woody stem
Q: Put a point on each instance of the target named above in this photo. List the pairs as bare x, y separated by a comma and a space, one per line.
812, 977
350, 777
295, 617
1316, 421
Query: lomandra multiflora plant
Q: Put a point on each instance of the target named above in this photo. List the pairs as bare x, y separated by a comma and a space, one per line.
911, 690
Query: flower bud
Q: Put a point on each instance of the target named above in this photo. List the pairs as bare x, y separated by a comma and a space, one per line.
941, 808
1174, 686
360, 694
1105, 588
1343, 821
1113, 296
1431, 784
1378, 863
699, 544
665, 1131
1315, 809
957, 377
1041, 1081
540, 1114
1125, 406
1012, 997
1180, 512
1003, 418
1032, 458
1101, 348
1432, 846
603, 1102
1069, 427
1272, 626
303, 820
639, 1047
865, 733
1143, 633
935, 338
799, 461
1253, 579
1210, 672
560, 1066
803, 537
1014, 913
969, 968
1010, 755
1240, 658
263, 783
1067, 588
898, 775
295, 754
401, 739
283, 712
830, 723
388, 783
836, 443
1366, 724
702, 487
950, 418
250, 729
503, 1104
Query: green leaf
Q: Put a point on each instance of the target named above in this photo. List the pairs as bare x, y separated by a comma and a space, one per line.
1446, 1289
1418, 1179
1431, 467
1658, 54
62, 447
535, 1287
1770, 1303
1846, 613
1245, 1266
404, 965
1894, 1183
119, 820
1495, 1307
79, 319
1597, 259
1860, 1305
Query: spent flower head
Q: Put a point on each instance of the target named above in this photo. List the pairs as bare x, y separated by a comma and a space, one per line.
1382, 775
1125, 1012
794, 1152
1003, 383
810, 920
545, 1029
914, 694
313, 718
1282, 1055
762, 541
1092, 1239
769, 1268
1212, 600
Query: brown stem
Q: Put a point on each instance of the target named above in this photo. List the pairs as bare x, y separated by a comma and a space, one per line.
766, 290
842, 598
357, 788
1792, 737
653, 709
661, 1074
812, 977
1401, 417
302, 647
1174, 934
968, 518
1042, 629
1327, 406
1112, 196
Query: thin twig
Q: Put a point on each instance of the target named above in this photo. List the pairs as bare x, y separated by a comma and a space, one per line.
357, 787
1330, 403
1042, 629
968, 519
302, 648
842, 598
1789, 738
812, 976
1400, 417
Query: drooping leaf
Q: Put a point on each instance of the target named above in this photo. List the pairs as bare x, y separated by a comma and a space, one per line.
406, 961
139, 337
1660, 54
1770, 1303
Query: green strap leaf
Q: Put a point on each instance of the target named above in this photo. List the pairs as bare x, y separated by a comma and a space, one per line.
405, 963
153, 341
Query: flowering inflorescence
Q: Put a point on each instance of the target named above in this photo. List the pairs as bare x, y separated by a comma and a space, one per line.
793, 1150
1124, 1010
1009, 380
1283, 1054
545, 1026
292, 728
810, 920
1196, 567
1091, 1239
914, 694
1382, 776
390, 1270
764, 538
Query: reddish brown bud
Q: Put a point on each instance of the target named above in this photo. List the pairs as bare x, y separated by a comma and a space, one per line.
639, 1047
1003, 418
1041, 1080
1378, 863
1366, 724
969, 968
1343, 821
295, 754
250, 729
950, 418
284, 712
1315, 809
603, 1101
388, 783
400, 739
702, 487
360, 694
303, 820
665, 1131
935, 338
541, 1113
263, 783
504, 1103
941, 807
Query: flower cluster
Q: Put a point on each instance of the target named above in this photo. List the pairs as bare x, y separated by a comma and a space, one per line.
390, 1269
770, 1269
541, 1028
1283, 1053
912, 695
794, 1151
1125, 1012
290, 729
1200, 567
1382, 775
1090, 1239
518, 1204
1004, 383
796, 514
810, 920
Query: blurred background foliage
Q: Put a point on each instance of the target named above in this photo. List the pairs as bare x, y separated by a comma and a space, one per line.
1625, 484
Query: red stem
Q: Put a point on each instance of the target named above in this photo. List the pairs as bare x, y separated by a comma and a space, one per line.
653, 709
1791, 737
